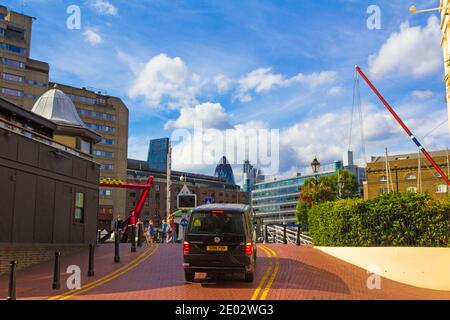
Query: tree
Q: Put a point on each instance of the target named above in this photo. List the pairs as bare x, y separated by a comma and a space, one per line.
327, 189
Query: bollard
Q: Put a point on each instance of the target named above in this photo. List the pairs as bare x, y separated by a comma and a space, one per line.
139, 235
266, 233
299, 232
99, 236
12, 281
116, 247
284, 235
91, 261
133, 238
56, 272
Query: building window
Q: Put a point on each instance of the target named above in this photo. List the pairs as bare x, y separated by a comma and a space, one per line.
12, 77
81, 99
383, 179
96, 114
105, 193
104, 154
411, 189
36, 83
441, 188
13, 63
437, 175
133, 194
100, 127
107, 141
156, 187
383, 190
411, 176
12, 48
106, 167
85, 146
79, 207
12, 92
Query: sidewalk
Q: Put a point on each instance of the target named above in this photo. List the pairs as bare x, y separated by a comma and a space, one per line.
36, 282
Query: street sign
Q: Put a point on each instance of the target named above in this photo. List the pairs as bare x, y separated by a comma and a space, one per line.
208, 200
184, 223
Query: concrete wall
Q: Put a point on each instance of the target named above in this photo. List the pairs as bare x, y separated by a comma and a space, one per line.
421, 267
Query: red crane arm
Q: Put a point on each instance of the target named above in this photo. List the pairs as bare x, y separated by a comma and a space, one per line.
403, 125
136, 213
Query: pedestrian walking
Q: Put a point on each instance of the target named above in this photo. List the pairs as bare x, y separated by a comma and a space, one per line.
150, 234
172, 229
165, 227
118, 225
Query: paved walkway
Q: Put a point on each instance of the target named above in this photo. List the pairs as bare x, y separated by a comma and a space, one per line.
282, 272
36, 282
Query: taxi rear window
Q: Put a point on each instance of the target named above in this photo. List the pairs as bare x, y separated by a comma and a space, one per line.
217, 223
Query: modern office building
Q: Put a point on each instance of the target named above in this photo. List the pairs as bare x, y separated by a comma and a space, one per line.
224, 170
251, 176
275, 201
108, 116
158, 150
22, 79
406, 172
205, 187
48, 189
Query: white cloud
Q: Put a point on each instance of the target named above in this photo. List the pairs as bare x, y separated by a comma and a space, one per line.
335, 91
211, 115
422, 94
263, 79
412, 51
103, 7
92, 37
222, 83
166, 81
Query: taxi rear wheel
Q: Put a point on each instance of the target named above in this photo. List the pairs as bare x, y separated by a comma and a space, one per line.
189, 276
249, 276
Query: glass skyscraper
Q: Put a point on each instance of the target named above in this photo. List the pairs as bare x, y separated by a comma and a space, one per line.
224, 170
157, 154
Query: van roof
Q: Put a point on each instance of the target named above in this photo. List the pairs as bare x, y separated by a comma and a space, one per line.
222, 206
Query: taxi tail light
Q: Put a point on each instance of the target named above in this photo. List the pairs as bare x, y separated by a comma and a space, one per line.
186, 247
249, 248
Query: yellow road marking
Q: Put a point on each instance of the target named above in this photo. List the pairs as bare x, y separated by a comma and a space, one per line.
266, 275
272, 277
132, 264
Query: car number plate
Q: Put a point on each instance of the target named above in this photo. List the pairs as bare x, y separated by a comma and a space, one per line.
217, 248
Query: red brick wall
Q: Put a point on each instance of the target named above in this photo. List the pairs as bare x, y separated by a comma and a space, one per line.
29, 255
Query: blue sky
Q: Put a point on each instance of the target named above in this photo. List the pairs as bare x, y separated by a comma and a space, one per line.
285, 65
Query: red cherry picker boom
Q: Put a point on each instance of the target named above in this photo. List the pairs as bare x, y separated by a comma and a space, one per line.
136, 213
403, 125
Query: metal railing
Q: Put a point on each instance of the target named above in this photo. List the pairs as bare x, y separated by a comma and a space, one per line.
286, 234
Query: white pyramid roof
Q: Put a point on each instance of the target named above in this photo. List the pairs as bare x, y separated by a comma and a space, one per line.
55, 105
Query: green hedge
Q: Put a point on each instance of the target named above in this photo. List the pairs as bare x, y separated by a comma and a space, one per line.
394, 219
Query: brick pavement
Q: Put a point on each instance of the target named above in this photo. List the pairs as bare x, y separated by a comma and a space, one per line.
304, 273
36, 282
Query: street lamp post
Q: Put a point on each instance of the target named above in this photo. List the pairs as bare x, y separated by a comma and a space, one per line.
341, 185
315, 165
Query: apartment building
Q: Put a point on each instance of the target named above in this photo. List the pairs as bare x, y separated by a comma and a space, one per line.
22, 79
406, 172
108, 116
